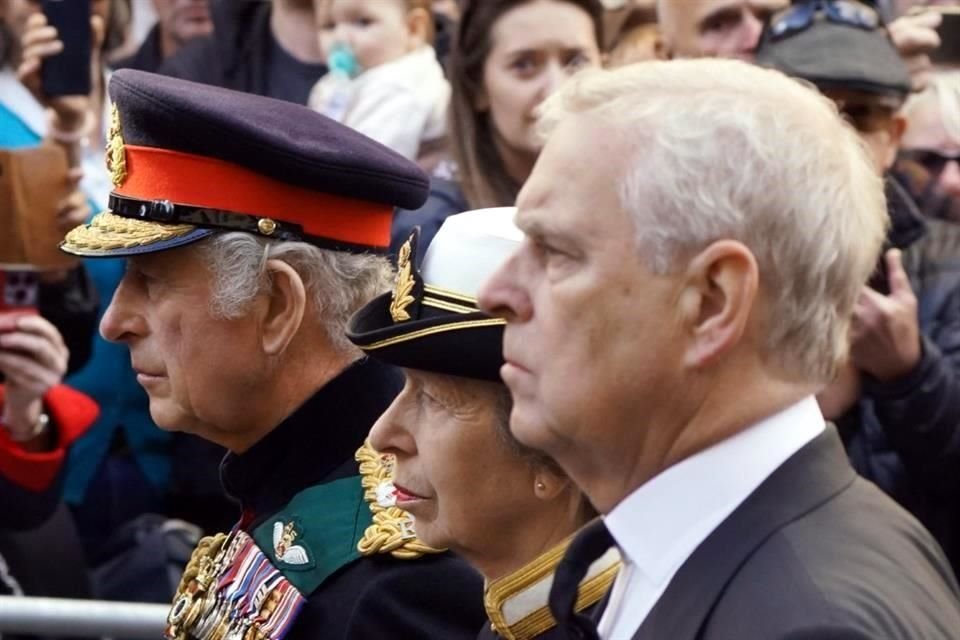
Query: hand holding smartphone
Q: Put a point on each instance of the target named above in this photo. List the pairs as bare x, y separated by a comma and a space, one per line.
949, 31
68, 72
19, 294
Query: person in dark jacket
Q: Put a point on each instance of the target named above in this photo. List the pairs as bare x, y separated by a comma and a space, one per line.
269, 48
252, 228
458, 471
178, 22
697, 234
40, 418
897, 401
71, 303
492, 133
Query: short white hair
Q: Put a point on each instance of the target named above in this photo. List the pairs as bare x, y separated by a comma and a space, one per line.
943, 90
337, 283
725, 150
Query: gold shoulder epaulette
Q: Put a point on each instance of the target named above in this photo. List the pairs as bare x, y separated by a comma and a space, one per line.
516, 604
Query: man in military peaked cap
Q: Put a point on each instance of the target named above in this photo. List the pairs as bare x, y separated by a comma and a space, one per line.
253, 229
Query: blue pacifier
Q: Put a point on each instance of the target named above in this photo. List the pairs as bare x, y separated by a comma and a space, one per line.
342, 60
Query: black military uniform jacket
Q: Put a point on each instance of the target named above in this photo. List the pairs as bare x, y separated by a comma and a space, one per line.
299, 489
516, 604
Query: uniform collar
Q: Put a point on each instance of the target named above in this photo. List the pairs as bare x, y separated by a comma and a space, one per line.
516, 604
315, 444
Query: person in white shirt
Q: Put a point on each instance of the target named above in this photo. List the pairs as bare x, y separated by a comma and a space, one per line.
697, 233
384, 79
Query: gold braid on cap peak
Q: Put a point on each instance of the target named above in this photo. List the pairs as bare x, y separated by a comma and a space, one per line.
109, 231
392, 528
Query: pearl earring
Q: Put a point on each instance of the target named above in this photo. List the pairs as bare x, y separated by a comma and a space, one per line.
541, 485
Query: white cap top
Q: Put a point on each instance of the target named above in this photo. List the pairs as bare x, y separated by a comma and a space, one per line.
468, 248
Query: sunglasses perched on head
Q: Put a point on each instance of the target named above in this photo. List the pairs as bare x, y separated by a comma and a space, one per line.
933, 161
801, 15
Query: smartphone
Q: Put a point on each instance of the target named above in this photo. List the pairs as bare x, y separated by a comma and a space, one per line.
19, 291
949, 30
19, 294
68, 73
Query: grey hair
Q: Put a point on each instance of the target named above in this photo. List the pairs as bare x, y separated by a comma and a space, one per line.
337, 283
944, 90
724, 150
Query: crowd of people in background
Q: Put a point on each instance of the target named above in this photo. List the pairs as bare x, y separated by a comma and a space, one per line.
455, 86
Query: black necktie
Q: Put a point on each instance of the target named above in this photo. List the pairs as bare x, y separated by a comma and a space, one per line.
589, 544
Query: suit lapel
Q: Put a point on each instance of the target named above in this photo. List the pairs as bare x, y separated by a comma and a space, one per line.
809, 478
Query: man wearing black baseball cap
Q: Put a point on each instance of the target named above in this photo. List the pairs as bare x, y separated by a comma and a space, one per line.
898, 398
252, 229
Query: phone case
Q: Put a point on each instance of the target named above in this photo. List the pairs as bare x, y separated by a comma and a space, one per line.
949, 50
19, 291
33, 183
68, 73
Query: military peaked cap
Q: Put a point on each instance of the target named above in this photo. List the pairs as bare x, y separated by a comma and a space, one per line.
189, 160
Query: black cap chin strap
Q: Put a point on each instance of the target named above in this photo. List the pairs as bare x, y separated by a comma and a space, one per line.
167, 212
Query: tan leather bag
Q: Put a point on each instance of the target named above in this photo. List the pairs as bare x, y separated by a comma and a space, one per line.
33, 182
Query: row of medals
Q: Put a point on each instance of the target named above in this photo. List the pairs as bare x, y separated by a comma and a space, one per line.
201, 612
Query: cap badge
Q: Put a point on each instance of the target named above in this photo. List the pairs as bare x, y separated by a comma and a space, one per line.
404, 285
266, 226
115, 153
284, 536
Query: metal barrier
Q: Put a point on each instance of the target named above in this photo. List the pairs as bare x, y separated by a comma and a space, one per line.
82, 618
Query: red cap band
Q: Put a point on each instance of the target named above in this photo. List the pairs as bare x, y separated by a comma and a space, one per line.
199, 181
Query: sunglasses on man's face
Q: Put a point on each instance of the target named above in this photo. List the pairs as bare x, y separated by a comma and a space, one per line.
801, 16
933, 161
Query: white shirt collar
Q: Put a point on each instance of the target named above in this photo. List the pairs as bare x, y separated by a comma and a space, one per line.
661, 524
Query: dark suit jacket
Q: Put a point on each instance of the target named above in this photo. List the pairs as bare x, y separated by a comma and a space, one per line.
815, 552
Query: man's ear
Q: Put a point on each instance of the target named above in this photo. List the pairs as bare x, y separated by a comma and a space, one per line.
717, 300
895, 130
286, 307
420, 26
